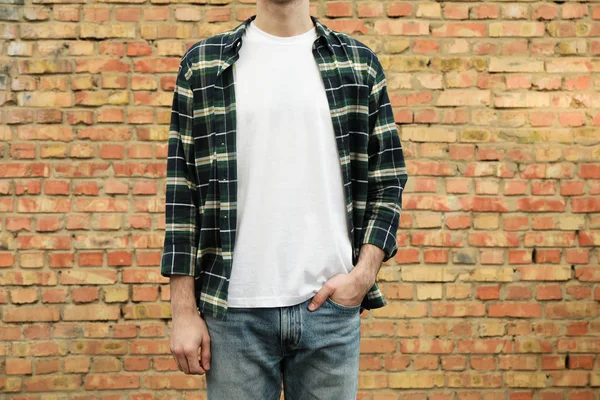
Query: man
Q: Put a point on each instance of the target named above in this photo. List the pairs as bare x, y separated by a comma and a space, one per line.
285, 148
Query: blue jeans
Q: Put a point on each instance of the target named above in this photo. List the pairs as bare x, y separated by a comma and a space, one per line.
314, 354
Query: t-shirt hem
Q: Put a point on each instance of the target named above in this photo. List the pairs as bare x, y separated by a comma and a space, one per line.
255, 302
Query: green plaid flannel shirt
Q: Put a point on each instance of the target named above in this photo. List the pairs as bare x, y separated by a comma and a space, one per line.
201, 165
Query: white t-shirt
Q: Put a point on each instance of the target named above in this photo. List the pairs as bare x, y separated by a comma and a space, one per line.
291, 219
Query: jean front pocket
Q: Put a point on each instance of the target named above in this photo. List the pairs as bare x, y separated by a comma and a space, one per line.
342, 306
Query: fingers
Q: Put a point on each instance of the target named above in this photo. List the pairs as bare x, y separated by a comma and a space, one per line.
320, 297
184, 348
205, 352
179, 355
191, 355
179, 367
187, 360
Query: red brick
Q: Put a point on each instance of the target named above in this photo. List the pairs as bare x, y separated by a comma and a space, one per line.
460, 29
545, 12
399, 9
69, 383
456, 11
112, 381
518, 310
31, 314
92, 312
176, 382
47, 366
401, 27
18, 366
369, 10
484, 346
338, 9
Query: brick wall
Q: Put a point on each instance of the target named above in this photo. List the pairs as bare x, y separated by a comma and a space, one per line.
495, 288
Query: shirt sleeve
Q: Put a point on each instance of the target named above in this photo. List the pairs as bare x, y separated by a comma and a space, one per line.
181, 203
387, 175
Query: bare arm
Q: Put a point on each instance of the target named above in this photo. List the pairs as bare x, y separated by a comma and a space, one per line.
183, 301
188, 331
367, 267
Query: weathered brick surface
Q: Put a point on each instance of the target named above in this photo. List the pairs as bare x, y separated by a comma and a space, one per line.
494, 291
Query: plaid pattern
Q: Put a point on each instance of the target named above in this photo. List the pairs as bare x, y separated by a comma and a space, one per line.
201, 166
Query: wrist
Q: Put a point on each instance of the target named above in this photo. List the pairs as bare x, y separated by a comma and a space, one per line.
184, 310
364, 277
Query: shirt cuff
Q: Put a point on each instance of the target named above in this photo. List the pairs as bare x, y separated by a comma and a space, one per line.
382, 236
178, 259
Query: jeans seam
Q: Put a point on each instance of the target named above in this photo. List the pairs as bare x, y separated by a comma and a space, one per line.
281, 338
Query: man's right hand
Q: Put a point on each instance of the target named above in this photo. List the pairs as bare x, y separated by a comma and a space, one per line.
188, 333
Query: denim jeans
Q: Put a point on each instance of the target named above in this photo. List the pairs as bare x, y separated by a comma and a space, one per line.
315, 354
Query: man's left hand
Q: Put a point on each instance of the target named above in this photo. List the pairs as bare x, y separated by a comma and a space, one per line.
346, 289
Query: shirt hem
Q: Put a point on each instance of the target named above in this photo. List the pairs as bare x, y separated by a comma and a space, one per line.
255, 302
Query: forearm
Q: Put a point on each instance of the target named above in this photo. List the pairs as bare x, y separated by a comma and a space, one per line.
368, 265
183, 301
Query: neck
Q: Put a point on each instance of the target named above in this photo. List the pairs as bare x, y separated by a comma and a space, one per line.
283, 17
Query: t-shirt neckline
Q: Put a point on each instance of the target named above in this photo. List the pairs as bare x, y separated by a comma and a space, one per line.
285, 40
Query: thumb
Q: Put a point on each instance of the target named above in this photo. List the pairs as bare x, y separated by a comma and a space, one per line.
320, 297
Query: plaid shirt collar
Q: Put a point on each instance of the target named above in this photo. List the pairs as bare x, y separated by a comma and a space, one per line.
233, 41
